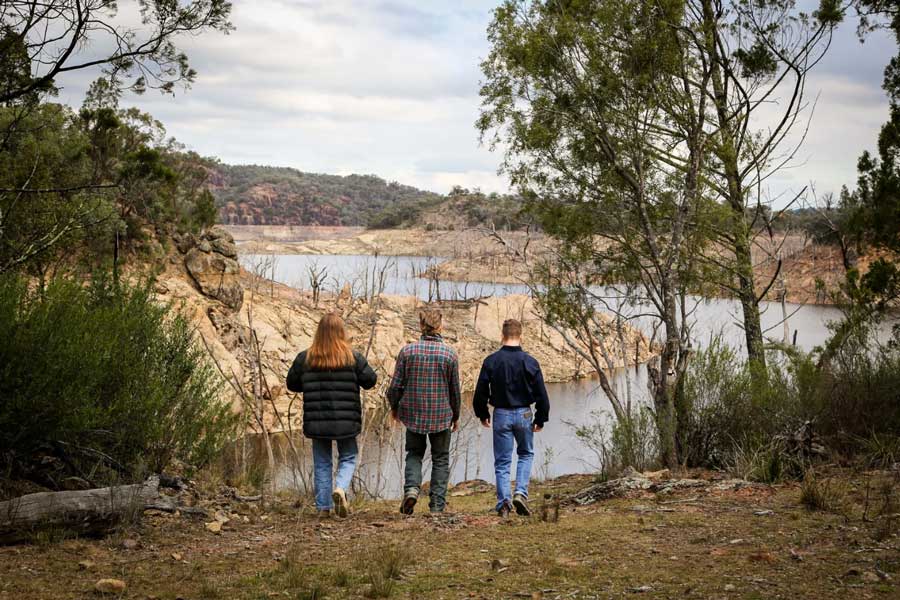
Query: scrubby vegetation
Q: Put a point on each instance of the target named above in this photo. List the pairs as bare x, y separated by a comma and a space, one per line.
101, 383
460, 209
261, 195
98, 382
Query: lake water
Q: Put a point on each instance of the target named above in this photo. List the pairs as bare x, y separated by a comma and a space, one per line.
402, 275
558, 451
380, 469
709, 316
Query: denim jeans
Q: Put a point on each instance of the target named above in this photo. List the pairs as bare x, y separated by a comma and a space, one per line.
323, 467
512, 425
440, 465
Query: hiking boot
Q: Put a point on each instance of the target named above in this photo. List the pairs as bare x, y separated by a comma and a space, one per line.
341, 506
409, 502
521, 504
503, 510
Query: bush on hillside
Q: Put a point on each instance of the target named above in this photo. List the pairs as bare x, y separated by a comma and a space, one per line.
731, 409
736, 417
103, 380
618, 444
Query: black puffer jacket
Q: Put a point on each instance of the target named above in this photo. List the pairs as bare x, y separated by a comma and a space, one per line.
331, 407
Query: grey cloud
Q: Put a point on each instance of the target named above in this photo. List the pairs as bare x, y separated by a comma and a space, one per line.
391, 87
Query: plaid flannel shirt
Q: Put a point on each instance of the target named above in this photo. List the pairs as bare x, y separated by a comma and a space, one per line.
425, 388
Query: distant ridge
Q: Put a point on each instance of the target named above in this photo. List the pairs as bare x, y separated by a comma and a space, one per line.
262, 195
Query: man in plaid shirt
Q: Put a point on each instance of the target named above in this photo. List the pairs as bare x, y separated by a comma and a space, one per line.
424, 395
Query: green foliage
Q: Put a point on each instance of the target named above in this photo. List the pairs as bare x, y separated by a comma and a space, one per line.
862, 377
70, 182
48, 152
733, 413
106, 376
736, 419
620, 443
38, 45
293, 197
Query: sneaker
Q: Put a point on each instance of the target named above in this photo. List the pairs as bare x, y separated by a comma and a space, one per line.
341, 506
503, 510
521, 504
409, 502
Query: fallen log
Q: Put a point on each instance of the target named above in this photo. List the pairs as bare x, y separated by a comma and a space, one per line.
84, 512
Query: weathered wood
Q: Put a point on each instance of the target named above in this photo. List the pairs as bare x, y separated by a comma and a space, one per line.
81, 511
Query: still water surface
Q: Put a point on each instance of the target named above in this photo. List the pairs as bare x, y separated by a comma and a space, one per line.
558, 451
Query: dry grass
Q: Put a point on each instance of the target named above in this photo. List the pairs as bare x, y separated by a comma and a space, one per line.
721, 545
823, 494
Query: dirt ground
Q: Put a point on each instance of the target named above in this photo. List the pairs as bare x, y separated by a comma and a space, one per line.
758, 542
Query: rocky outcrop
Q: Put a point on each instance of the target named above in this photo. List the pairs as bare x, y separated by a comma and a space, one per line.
212, 262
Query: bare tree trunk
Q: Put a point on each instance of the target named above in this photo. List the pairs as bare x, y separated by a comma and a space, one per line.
85, 511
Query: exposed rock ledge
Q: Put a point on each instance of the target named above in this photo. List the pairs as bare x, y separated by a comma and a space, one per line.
228, 305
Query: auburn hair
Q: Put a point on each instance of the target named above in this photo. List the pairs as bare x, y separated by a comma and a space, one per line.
330, 348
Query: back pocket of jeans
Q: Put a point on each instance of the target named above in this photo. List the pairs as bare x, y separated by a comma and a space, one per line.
527, 415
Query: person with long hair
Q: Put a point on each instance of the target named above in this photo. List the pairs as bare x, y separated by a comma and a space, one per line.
329, 374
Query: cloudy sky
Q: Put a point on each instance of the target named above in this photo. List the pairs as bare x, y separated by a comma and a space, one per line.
390, 87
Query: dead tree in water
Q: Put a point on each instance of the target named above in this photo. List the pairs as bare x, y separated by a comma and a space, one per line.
317, 277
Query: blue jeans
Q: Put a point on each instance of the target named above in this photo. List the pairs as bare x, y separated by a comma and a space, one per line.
322, 469
512, 424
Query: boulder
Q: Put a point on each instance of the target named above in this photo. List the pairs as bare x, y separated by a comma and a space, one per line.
217, 232
185, 242
225, 247
217, 276
218, 239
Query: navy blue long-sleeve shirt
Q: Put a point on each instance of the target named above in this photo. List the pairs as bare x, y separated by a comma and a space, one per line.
511, 378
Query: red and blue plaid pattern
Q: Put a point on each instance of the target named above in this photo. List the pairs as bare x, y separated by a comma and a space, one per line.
425, 388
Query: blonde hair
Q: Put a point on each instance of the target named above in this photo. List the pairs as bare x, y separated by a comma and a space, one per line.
330, 348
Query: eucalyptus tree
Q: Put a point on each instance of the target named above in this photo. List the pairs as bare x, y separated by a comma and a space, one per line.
759, 53
643, 134
131, 45
601, 111
136, 48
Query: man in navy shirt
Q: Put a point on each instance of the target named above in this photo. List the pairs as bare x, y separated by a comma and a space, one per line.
511, 381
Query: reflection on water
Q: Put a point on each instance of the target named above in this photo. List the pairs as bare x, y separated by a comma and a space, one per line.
558, 451
404, 275
807, 324
380, 469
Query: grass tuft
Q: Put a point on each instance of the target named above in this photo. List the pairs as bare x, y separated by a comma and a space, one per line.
822, 494
384, 569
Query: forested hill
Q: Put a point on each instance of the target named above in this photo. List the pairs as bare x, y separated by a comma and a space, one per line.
261, 195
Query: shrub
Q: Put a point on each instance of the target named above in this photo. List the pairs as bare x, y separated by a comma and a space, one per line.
863, 383
105, 379
734, 414
617, 444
